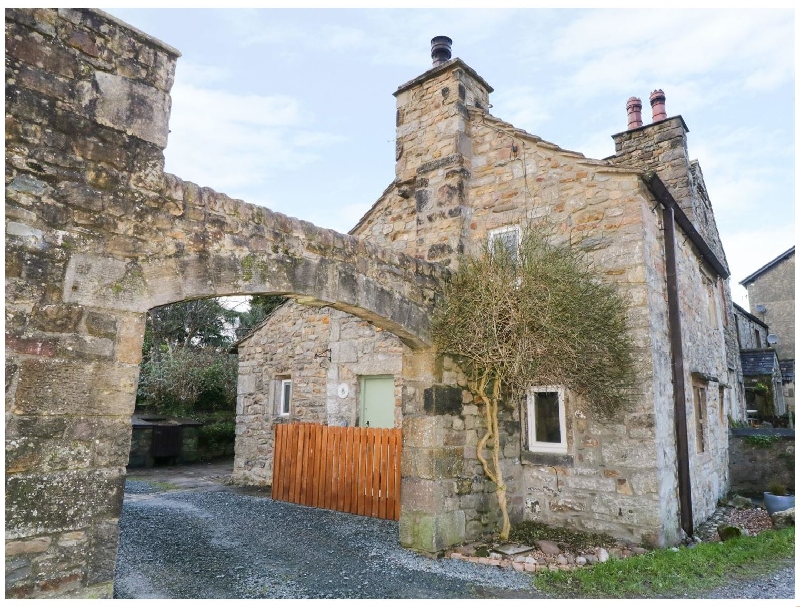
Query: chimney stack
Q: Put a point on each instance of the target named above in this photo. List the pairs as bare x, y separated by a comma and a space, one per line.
441, 50
657, 99
634, 107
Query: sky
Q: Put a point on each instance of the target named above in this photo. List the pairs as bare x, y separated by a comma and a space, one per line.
293, 108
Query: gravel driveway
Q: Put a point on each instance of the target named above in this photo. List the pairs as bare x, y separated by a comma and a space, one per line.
222, 544
206, 540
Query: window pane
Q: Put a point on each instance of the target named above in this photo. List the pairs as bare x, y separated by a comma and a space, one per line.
548, 423
287, 395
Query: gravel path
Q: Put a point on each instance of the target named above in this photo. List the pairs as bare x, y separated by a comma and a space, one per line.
777, 585
228, 544
189, 544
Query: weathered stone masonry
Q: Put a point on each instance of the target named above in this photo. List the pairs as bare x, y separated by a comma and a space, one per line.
461, 173
96, 234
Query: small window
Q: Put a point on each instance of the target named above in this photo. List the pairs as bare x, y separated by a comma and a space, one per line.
700, 416
285, 396
507, 236
546, 420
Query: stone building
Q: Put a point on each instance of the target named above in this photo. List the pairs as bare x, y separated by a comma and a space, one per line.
643, 217
770, 293
765, 385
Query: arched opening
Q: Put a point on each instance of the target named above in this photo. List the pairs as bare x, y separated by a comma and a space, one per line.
295, 340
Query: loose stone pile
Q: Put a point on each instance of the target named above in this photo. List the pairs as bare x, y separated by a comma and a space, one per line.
545, 556
548, 556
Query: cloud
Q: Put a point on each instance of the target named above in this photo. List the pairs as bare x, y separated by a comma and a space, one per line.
233, 142
522, 106
747, 249
754, 47
739, 181
193, 74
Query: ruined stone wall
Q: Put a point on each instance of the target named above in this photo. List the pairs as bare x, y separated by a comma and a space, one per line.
295, 344
775, 290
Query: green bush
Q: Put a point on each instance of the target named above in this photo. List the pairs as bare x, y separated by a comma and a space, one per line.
761, 440
185, 381
218, 431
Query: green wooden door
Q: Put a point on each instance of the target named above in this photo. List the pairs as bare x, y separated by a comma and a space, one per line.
377, 401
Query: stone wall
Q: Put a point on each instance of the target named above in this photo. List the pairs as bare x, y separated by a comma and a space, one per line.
296, 343
705, 366
461, 173
96, 234
752, 335
754, 467
709, 341
775, 290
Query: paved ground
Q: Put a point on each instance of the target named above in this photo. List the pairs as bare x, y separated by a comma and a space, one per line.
184, 533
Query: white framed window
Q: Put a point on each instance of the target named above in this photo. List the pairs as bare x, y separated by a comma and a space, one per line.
284, 396
547, 424
508, 236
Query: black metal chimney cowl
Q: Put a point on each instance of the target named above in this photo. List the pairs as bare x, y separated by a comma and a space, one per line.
441, 50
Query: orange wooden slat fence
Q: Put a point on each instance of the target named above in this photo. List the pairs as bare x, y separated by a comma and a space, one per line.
355, 470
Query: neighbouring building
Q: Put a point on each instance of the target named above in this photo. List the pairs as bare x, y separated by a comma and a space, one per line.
644, 218
770, 293
761, 372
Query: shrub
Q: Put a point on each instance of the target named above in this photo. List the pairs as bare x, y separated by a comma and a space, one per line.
183, 381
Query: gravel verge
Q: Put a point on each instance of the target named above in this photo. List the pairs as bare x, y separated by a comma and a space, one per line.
189, 544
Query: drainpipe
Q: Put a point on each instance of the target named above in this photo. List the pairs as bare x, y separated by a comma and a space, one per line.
674, 215
678, 382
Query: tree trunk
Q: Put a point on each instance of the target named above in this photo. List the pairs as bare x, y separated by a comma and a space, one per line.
491, 406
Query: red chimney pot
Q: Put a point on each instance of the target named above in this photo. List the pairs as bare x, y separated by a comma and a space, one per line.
657, 99
634, 107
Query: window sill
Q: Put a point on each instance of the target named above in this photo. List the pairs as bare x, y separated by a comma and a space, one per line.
547, 459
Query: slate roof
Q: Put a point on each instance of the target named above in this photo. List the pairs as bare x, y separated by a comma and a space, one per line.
787, 369
767, 266
758, 362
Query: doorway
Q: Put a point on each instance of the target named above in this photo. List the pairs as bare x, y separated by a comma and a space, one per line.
377, 401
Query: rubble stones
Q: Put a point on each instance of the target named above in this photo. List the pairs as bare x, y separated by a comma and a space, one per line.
548, 547
783, 519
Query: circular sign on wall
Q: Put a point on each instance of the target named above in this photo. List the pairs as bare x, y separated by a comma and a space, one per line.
343, 390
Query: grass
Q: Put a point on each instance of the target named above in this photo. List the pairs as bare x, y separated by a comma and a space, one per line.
665, 573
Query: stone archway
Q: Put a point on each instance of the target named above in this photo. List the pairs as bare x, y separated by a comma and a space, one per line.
97, 234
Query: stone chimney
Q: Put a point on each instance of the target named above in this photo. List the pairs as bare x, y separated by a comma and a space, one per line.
433, 151
441, 50
657, 99
634, 107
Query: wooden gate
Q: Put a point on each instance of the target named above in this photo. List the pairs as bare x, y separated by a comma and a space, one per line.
355, 470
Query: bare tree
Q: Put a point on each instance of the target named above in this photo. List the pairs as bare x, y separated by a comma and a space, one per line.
537, 314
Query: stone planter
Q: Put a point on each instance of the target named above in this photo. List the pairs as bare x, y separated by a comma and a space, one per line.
777, 503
